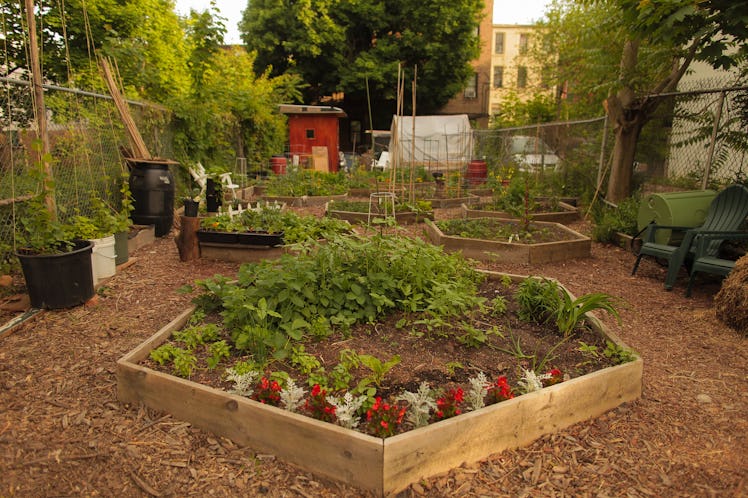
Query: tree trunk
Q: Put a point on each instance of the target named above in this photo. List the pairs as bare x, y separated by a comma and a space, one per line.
622, 168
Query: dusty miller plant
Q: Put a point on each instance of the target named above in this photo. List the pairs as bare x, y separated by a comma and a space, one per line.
292, 396
420, 405
531, 381
243, 382
478, 391
346, 408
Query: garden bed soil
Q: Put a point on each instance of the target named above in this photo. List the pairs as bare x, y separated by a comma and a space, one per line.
565, 214
564, 244
593, 385
63, 432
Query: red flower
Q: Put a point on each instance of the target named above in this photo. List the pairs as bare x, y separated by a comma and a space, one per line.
500, 391
556, 377
384, 419
449, 404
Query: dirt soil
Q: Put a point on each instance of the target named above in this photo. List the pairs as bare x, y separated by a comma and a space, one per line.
64, 433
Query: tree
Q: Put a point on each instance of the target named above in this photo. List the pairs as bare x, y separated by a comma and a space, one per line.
341, 46
715, 31
144, 36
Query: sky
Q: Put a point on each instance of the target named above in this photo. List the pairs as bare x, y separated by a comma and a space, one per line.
504, 12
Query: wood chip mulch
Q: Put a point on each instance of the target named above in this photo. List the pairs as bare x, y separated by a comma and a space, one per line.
64, 433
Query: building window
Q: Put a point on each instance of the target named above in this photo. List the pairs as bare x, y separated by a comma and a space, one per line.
310, 134
521, 77
524, 40
498, 76
471, 89
498, 46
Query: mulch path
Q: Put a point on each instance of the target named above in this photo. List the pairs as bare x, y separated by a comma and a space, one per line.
64, 433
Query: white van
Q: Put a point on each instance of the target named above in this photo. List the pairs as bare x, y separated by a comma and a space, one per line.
532, 154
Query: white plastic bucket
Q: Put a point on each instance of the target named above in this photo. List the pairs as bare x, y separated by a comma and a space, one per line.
103, 258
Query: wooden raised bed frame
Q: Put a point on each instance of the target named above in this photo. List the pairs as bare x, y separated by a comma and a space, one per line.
383, 466
577, 246
566, 214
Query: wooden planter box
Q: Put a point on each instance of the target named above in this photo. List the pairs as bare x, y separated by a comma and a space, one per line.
567, 214
305, 200
449, 202
578, 246
404, 217
382, 466
139, 236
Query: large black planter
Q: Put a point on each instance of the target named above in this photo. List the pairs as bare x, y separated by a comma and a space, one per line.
243, 238
57, 281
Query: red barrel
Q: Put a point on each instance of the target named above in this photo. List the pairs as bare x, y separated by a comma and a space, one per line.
477, 172
278, 163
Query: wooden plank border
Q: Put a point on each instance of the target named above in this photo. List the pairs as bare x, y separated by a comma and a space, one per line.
383, 466
578, 246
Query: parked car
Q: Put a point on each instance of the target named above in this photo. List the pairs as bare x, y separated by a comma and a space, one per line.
532, 154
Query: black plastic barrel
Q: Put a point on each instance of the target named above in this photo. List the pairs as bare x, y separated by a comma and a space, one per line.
56, 281
152, 188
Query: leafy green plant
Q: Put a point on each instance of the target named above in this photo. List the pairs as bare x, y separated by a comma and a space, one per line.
538, 299
618, 353
378, 369
571, 313
609, 220
216, 352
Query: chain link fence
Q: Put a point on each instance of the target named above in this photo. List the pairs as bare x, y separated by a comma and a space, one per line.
86, 137
697, 137
564, 155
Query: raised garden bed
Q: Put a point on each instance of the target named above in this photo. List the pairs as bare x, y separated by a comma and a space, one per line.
573, 245
382, 466
449, 202
305, 200
360, 216
565, 213
240, 253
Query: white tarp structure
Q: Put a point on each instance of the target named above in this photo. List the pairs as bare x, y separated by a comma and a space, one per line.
440, 141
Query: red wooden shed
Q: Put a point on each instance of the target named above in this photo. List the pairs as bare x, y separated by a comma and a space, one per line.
313, 135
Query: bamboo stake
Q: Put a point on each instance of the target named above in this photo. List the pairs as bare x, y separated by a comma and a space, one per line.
39, 109
139, 148
412, 197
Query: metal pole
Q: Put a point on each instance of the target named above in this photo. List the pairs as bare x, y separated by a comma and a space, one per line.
715, 128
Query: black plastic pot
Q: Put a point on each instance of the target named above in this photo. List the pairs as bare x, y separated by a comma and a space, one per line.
190, 208
57, 281
213, 196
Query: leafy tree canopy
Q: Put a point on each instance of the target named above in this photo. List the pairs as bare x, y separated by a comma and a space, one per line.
144, 36
340, 46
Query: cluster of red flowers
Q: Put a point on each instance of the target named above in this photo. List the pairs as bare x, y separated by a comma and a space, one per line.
317, 405
383, 419
499, 391
556, 377
268, 392
449, 405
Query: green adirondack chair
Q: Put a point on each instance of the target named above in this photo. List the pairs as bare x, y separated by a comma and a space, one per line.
706, 261
726, 213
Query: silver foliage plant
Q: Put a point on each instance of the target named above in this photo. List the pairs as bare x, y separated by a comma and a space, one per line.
346, 409
478, 391
243, 382
292, 396
420, 404
531, 381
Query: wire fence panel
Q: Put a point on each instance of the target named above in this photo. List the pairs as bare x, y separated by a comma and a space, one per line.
696, 132
86, 137
573, 149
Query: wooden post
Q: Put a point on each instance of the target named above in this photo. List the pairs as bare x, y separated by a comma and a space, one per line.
186, 240
39, 108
